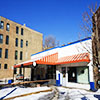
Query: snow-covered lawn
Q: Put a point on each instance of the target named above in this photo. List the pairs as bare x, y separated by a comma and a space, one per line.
15, 91
77, 94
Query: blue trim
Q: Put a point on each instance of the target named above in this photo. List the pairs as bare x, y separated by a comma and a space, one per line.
92, 86
59, 78
7, 94
88, 38
58, 81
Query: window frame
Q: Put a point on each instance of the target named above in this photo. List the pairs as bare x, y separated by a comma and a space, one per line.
0, 65
5, 66
1, 26
1, 40
16, 42
0, 52
22, 30
26, 43
7, 39
17, 30
21, 43
21, 55
15, 70
6, 53
16, 54
7, 27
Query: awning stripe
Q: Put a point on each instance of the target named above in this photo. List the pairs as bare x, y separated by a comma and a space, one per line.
53, 59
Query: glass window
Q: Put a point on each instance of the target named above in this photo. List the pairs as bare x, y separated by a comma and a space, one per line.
17, 29
15, 70
21, 45
8, 27
5, 66
1, 25
1, 38
16, 54
20, 70
51, 70
16, 42
21, 31
6, 53
26, 43
0, 66
7, 39
21, 55
0, 52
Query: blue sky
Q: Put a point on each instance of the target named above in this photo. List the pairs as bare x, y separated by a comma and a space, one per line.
60, 18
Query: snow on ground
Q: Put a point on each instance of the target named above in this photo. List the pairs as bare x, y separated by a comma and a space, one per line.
77, 94
63, 93
15, 91
39, 96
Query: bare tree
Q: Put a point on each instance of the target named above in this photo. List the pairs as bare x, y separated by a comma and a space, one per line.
87, 27
86, 24
50, 42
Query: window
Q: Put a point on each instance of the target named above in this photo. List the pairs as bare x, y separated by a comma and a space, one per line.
21, 31
16, 54
0, 66
6, 53
16, 42
7, 39
1, 38
21, 45
51, 70
5, 66
17, 29
0, 52
21, 55
15, 70
26, 43
8, 27
1, 25
20, 70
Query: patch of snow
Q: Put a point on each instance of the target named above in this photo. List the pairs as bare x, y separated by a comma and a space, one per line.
77, 94
20, 91
77, 85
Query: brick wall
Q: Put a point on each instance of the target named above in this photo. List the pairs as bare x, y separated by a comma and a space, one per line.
34, 39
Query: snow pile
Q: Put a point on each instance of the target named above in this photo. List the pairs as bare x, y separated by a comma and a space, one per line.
77, 94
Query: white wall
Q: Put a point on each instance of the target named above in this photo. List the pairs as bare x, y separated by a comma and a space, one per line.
44, 53
77, 48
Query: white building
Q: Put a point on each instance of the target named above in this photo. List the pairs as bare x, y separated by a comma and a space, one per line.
72, 62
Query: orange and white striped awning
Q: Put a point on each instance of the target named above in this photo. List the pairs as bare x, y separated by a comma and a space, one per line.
53, 59
83, 57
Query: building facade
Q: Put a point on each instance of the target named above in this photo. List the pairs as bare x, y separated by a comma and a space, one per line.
70, 65
17, 43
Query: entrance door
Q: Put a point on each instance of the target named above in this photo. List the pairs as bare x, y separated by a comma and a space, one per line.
63, 76
72, 74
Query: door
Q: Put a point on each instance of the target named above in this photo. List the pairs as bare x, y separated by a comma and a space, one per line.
72, 77
63, 76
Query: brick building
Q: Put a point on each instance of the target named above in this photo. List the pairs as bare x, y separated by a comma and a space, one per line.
17, 43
